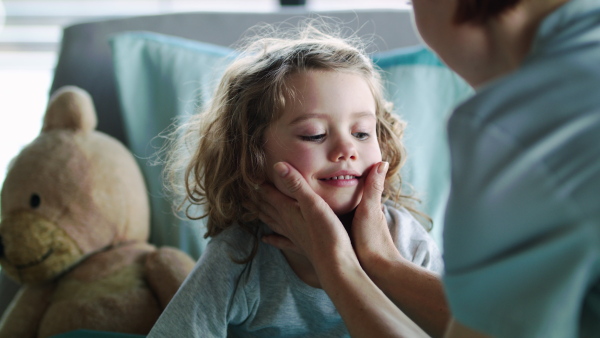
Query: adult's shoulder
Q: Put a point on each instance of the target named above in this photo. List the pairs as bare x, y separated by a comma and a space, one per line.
524, 156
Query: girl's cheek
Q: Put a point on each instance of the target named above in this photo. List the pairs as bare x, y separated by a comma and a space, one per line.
373, 150
302, 157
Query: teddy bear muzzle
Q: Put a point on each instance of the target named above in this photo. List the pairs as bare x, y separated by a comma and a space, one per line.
34, 249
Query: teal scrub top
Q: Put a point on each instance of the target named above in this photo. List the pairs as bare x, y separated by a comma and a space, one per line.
522, 226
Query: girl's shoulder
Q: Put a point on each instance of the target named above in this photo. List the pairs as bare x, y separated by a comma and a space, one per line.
235, 241
411, 239
400, 217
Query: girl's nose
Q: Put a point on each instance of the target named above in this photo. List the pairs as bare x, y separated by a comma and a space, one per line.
343, 150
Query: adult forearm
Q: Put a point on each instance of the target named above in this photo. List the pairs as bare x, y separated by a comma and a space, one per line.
366, 310
417, 292
457, 330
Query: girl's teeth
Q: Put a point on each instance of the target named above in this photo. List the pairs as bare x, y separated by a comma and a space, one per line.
342, 177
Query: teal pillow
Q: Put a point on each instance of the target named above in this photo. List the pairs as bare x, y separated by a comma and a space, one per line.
161, 78
424, 92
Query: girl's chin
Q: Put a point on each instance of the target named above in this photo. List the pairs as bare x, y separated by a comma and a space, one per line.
341, 210
342, 203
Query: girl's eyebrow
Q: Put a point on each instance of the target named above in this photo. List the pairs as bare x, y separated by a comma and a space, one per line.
310, 116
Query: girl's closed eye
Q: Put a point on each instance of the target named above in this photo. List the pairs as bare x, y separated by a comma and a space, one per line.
361, 136
313, 138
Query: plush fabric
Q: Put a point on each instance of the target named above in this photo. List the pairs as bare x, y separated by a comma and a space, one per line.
74, 230
161, 77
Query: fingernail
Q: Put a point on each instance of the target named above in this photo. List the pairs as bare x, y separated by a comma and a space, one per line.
281, 169
383, 167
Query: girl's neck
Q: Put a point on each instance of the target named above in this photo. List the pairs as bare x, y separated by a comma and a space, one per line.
506, 41
347, 219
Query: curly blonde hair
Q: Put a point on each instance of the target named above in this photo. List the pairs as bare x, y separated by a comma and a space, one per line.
226, 142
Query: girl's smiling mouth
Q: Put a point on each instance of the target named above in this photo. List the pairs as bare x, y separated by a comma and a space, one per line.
341, 177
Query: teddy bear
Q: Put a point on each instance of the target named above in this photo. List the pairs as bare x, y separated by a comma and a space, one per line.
74, 232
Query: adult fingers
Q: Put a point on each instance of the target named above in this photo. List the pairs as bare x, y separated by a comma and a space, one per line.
372, 238
281, 242
275, 208
374, 185
270, 201
290, 182
376, 181
304, 217
271, 216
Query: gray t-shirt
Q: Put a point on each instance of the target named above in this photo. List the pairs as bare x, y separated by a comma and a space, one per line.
265, 298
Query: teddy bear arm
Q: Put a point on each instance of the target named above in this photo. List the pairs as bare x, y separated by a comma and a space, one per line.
25, 312
166, 269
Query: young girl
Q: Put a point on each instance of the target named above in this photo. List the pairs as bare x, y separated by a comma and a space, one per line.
314, 101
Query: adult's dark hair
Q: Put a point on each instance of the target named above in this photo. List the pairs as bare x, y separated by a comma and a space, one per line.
479, 11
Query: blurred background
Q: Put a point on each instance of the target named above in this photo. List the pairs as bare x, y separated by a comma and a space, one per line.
30, 34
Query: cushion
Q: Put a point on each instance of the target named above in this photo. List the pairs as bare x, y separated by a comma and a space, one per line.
424, 92
160, 78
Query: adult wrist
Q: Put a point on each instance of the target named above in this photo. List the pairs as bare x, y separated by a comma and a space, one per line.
378, 267
336, 264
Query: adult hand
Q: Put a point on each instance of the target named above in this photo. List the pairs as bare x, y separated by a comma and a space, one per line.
305, 222
307, 225
416, 291
371, 237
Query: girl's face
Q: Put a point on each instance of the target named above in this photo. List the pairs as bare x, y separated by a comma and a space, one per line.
328, 133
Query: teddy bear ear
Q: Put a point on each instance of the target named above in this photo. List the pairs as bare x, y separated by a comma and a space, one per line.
70, 108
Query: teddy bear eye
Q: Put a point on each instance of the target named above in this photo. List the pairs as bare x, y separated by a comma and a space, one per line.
35, 201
